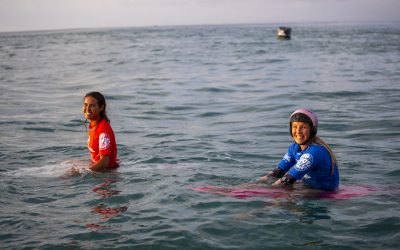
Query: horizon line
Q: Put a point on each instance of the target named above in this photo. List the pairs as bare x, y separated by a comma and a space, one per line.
192, 25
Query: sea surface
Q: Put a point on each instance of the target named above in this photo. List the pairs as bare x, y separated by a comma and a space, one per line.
195, 106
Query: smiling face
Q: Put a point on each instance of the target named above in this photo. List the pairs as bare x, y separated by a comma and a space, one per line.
91, 109
301, 133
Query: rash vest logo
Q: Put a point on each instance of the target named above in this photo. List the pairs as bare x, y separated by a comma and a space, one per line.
104, 141
287, 157
304, 162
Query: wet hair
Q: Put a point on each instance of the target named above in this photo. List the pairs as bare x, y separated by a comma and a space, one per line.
101, 102
319, 141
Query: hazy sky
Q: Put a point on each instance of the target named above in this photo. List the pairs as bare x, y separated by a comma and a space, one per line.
18, 15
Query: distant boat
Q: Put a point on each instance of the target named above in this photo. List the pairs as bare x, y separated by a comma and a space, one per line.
283, 32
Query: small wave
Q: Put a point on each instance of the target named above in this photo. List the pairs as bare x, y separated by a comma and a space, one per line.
6, 67
335, 94
159, 135
261, 52
47, 130
210, 114
274, 60
179, 108
215, 90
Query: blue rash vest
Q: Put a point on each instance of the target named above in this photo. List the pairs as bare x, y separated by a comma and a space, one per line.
313, 165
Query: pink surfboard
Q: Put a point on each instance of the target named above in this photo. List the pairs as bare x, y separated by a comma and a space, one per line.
344, 192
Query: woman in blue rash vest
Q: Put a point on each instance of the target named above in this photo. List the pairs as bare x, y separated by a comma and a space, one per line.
309, 158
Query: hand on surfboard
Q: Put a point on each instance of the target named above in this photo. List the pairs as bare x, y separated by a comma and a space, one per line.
278, 183
266, 178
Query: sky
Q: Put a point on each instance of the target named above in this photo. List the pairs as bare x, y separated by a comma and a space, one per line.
22, 15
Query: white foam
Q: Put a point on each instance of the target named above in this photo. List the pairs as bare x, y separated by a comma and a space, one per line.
137, 166
62, 169
72, 168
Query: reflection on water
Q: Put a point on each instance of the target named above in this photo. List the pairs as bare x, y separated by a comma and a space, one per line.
304, 212
108, 212
105, 190
289, 210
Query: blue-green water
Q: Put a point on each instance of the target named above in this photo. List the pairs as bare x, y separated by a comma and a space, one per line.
190, 106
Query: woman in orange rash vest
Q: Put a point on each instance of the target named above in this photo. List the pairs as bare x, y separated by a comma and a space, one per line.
101, 142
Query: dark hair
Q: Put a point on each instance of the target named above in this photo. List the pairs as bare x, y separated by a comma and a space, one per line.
101, 101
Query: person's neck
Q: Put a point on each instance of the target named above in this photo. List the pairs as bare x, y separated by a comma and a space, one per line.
93, 123
304, 146
307, 144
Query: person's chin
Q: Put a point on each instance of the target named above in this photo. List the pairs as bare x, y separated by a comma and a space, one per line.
300, 141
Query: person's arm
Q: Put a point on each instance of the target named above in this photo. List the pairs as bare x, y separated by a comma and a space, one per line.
277, 173
284, 165
302, 167
101, 165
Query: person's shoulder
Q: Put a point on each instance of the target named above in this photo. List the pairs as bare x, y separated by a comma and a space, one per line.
293, 147
104, 125
317, 148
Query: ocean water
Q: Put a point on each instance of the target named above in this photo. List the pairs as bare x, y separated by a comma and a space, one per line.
194, 106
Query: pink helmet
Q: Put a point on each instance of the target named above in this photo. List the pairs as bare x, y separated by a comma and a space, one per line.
307, 116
